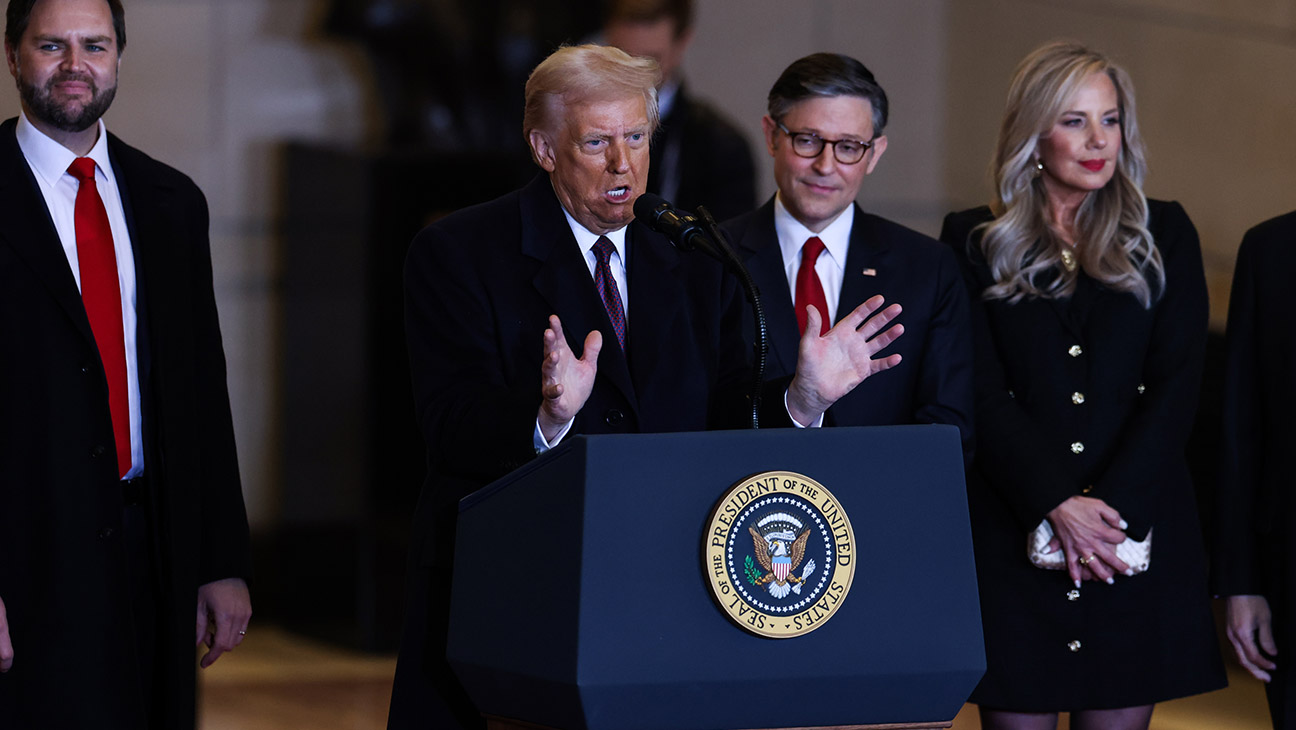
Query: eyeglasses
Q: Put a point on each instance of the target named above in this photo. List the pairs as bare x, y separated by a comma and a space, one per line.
846, 151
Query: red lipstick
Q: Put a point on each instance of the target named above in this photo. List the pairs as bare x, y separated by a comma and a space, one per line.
1094, 165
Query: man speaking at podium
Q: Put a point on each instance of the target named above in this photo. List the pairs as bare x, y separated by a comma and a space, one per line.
549, 312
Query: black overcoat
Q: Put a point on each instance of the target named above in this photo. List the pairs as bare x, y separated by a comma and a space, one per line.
62, 564
1093, 394
1256, 506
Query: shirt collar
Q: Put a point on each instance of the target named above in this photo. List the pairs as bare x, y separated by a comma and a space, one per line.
50, 159
586, 239
792, 234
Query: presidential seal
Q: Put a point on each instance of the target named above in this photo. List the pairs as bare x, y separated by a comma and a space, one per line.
779, 554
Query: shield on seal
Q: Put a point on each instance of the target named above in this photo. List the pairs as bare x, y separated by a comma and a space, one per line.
782, 565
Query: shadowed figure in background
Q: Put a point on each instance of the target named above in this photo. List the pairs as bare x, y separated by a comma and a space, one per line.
698, 156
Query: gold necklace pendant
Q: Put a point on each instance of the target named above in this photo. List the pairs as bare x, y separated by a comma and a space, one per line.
1069, 259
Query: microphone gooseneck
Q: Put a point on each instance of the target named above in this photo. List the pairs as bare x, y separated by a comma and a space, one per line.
701, 233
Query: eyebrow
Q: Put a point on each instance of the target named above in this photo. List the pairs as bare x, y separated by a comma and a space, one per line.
1113, 110
98, 40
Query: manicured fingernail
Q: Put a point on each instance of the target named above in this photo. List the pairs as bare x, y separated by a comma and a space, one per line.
1130, 572
1077, 582
1124, 525
1047, 549
1111, 581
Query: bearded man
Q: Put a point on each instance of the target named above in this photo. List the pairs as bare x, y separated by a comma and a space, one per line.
123, 535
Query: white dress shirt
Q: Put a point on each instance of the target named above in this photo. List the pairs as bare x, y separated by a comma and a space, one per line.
831, 265
49, 162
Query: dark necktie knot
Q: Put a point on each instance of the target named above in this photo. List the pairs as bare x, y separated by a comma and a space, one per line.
603, 249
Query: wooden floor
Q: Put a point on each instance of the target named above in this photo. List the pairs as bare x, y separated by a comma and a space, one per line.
277, 680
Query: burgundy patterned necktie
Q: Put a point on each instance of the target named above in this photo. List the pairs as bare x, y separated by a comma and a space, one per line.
101, 295
809, 290
607, 288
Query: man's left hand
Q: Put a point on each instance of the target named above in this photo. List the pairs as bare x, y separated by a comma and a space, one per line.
830, 366
224, 609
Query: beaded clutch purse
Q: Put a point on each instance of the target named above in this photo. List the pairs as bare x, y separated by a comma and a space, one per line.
1137, 555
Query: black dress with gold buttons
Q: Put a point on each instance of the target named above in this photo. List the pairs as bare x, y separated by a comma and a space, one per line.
1089, 394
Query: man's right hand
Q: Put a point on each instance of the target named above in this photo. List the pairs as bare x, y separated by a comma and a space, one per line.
565, 380
830, 366
6, 646
1250, 631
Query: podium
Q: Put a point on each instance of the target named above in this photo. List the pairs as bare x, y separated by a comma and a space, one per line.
581, 601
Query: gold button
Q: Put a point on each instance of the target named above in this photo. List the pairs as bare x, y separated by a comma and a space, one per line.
1141, 388
1075, 351
1073, 595
1087, 489
1077, 398
1074, 645
1077, 448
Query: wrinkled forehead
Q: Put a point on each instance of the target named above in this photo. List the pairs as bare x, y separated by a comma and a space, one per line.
610, 110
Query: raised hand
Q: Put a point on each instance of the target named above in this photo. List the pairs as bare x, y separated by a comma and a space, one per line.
565, 380
830, 366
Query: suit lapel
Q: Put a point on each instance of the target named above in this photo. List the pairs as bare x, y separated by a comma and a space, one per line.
563, 280
866, 264
764, 261
29, 230
658, 299
141, 193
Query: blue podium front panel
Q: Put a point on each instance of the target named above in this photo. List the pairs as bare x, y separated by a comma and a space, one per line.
617, 616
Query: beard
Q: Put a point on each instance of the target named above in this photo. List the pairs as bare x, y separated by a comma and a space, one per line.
68, 116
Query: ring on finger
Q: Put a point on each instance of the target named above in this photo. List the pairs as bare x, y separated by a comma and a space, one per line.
1088, 560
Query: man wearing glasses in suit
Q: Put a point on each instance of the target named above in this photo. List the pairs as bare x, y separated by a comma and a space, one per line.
815, 255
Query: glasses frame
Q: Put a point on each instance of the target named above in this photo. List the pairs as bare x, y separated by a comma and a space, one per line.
823, 142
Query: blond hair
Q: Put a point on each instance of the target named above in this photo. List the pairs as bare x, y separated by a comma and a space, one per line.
1114, 245
584, 74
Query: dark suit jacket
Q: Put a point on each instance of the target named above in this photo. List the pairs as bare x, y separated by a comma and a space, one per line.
706, 159
62, 575
1255, 540
933, 383
480, 285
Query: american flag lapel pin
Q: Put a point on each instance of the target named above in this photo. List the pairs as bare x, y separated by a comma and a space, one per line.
870, 272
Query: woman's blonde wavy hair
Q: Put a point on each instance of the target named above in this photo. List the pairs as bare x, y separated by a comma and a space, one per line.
1113, 243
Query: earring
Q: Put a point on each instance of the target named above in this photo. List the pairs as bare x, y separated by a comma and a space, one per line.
1039, 167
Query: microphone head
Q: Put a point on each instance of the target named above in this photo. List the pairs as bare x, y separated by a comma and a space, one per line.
649, 207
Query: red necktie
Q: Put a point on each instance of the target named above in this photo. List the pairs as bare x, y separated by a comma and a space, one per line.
809, 290
607, 288
101, 294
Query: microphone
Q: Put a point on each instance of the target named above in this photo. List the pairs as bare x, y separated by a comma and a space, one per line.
688, 233
683, 230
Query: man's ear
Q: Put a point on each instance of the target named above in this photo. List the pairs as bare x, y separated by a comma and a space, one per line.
875, 153
542, 150
771, 132
11, 57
